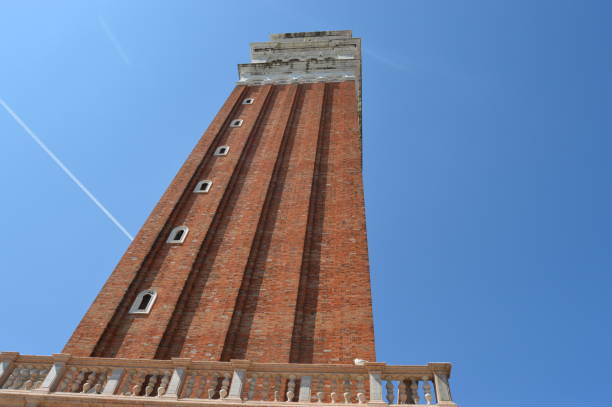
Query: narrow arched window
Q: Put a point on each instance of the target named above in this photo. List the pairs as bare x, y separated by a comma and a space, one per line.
203, 186
178, 234
222, 150
248, 101
143, 302
236, 123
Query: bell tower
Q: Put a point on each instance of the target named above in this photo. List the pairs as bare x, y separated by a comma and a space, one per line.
249, 281
258, 248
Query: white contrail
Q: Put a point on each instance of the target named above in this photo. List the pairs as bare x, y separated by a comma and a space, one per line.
393, 64
64, 168
114, 40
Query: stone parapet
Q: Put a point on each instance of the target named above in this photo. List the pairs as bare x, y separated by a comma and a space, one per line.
62, 380
306, 57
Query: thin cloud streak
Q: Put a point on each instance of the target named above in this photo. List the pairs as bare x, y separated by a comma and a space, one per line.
114, 40
64, 168
384, 60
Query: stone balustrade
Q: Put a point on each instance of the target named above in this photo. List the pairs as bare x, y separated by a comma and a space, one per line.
184, 381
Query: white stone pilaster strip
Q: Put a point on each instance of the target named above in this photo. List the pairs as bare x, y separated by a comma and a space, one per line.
238, 379
442, 387
6, 360
305, 391
55, 373
178, 376
376, 383
113, 381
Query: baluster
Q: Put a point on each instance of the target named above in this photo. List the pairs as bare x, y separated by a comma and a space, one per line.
224, 385
319, 393
68, 377
402, 396
161, 390
189, 385
28, 378
414, 386
39, 376
390, 391
201, 384
11, 379
252, 384
43, 374
291, 388
212, 385
336, 386
89, 383
101, 382
276, 393
427, 389
150, 383
259, 387
128, 380
137, 384
24, 378
265, 388
36, 376
19, 379
76, 385
346, 386
361, 399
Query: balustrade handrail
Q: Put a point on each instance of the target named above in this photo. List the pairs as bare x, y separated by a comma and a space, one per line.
286, 368
234, 380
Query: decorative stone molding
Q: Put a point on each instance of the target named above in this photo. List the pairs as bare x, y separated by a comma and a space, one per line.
308, 57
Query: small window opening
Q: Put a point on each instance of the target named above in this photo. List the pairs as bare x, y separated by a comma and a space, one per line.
222, 150
143, 302
178, 234
203, 186
236, 123
248, 101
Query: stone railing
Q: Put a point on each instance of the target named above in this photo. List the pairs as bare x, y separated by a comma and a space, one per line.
168, 382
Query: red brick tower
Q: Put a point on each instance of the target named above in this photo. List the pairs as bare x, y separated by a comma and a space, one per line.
258, 248
248, 286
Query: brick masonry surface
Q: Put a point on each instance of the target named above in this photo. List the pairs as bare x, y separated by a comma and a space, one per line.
275, 266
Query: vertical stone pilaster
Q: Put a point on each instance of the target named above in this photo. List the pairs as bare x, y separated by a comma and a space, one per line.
305, 391
376, 384
55, 373
238, 379
442, 388
178, 375
113, 381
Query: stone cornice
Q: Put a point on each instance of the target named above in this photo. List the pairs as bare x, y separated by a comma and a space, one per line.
320, 56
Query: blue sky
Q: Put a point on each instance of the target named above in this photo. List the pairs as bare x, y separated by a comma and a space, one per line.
487, 146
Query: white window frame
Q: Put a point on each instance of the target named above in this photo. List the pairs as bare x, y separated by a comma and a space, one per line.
135, 306
236, 123
185, 230
198, 189
218, 150
248, 101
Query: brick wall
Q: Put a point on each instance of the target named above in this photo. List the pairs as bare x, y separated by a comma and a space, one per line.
274, 267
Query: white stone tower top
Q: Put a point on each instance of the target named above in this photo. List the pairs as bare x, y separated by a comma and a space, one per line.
305, 57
